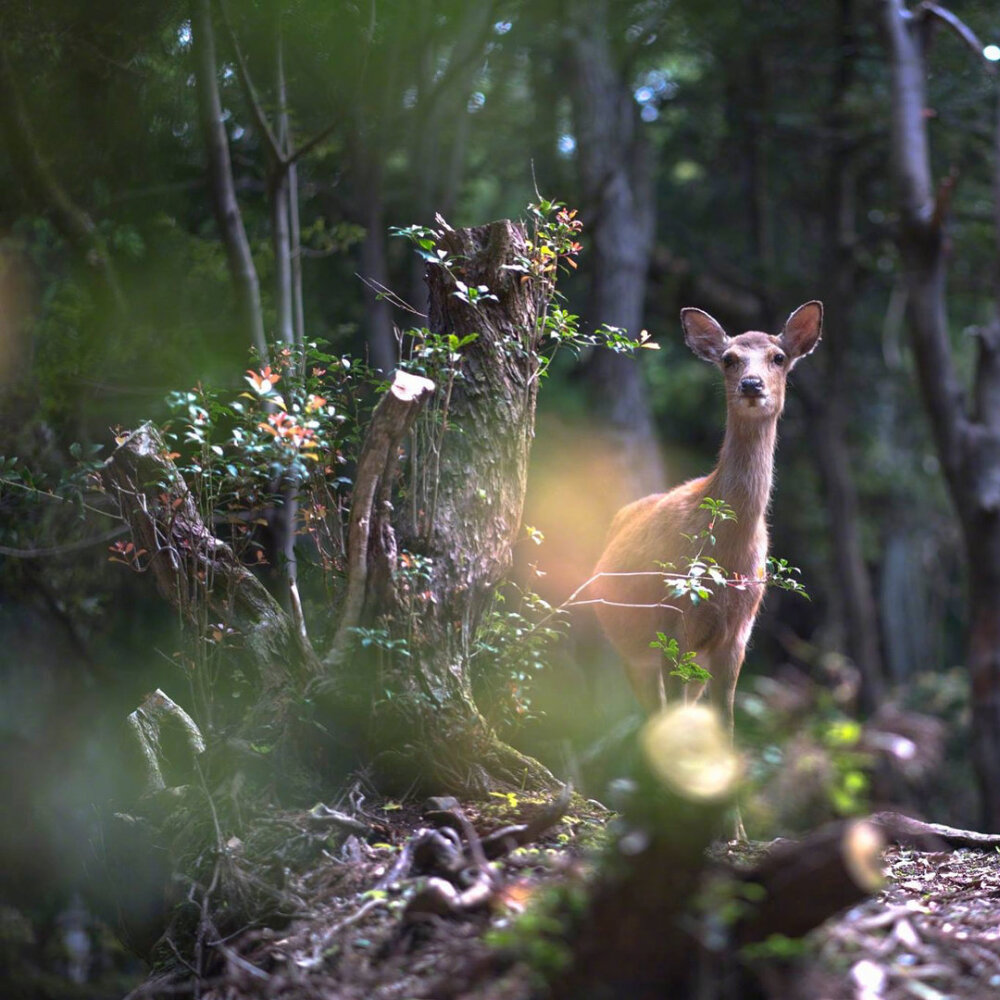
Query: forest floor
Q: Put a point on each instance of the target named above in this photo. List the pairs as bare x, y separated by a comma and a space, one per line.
372, 924
932, 933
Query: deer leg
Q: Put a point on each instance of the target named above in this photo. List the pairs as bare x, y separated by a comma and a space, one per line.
724, 666
682, 692
646, 680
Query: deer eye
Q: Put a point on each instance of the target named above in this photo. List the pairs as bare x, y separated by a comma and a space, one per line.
778, 359
728, 360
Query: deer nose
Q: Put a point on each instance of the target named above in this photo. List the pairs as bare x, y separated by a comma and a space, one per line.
751, 385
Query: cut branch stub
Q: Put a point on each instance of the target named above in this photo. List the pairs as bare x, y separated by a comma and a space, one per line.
191, 566
390, 423
165, 741
803, 884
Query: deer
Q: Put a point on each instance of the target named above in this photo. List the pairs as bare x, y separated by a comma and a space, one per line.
633, 600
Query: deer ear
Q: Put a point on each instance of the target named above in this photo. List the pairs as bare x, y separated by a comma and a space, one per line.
803, 330
703, 334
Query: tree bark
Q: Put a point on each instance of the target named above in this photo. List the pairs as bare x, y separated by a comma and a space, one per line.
827, 430
966, 432
825, 395
382, 347
221, 183
464, 494
198, 574
617, 200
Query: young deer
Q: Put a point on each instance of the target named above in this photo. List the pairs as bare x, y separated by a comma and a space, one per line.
632, 609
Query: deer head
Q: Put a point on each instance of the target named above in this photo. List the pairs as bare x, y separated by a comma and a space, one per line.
754, 365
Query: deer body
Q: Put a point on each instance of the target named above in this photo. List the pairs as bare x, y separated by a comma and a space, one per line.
652, 531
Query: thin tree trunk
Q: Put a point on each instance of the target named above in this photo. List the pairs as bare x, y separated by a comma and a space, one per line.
441, 121
966, 432
221, 184
295, 233
286, 144
824, 395
850, 574
616, 188
280, 212
382, 348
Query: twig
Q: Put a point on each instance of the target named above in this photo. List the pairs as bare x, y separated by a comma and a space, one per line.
389, 295
238, 960
60, 550
399, 867
907, 830
331, 932
957, 25
46, 495
180, 958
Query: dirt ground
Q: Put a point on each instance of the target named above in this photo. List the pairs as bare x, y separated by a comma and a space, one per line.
372, 925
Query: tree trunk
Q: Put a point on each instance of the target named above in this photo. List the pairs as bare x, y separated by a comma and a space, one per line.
966, 432
295, 233
281, 243
382, 348
826, 395
464, 494
617, 201
221, 184
827, 428
280, 210
201, 577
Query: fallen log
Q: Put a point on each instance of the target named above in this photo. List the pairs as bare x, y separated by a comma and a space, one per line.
801, 884
907, 831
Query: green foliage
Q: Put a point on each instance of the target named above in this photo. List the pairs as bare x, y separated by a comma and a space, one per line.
814, 759
783, 577
723, 901
683, 665
776, 947
513, 643
296, 427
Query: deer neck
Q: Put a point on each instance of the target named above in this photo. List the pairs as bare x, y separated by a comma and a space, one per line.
745, 471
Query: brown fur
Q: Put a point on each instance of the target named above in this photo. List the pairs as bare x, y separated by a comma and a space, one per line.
651, 530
